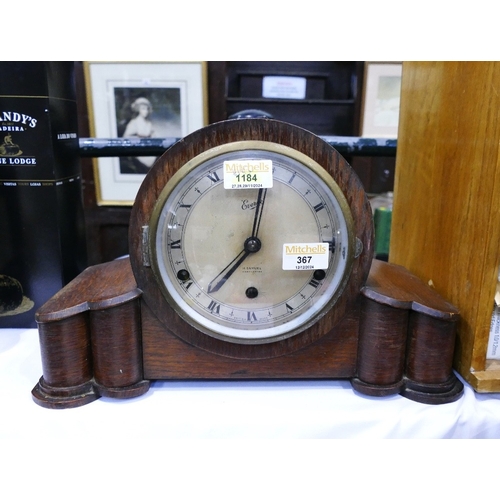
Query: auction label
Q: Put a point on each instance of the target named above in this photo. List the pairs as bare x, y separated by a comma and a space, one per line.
493, 351
305, 256
248, 174
284, 87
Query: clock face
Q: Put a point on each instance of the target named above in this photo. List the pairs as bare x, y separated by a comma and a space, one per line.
251, 242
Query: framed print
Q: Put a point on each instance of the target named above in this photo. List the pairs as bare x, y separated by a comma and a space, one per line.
381, 98
140, 100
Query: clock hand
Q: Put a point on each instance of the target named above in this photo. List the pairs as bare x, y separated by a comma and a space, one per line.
261, 198
225, 274
251, 245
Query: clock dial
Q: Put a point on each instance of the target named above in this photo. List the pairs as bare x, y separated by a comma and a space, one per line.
218, 253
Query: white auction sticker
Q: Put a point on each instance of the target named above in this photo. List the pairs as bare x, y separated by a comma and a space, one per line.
305, 256
284, 87
248, 174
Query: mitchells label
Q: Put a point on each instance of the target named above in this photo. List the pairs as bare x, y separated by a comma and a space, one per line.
248, 174
305, 256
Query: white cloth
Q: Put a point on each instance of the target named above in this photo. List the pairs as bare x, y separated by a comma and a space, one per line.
230, 409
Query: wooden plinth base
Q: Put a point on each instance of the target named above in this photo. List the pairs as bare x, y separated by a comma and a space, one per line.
446, 392
99, 337
72, 397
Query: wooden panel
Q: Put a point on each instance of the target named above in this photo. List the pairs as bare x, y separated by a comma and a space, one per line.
107, 233
376, 172
166, 356
446, 218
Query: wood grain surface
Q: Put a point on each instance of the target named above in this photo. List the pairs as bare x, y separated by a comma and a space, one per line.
446, 214
215, 136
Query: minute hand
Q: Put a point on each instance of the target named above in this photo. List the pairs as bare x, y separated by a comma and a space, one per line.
261, 198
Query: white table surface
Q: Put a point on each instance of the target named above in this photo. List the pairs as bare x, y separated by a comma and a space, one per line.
248, 409
237, 440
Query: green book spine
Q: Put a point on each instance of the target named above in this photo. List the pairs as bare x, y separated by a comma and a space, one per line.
382, 222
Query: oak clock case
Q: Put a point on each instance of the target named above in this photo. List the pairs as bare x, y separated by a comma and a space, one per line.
198, 226
199, 232
225, 282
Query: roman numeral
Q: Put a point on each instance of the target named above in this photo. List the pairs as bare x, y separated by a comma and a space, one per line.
289, 308
314, 283
251, 316
214, 307
319, 207
213, 177
175, 244
331, 245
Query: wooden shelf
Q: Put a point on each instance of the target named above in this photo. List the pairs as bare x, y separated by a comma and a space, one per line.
331, 105
263, 100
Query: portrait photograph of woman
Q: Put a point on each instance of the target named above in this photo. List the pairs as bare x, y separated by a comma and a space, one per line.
146, 113
160, 102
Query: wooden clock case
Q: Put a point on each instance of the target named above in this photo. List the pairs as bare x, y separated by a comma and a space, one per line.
110, 331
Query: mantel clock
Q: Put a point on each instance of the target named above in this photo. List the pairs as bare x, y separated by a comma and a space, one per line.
251, 257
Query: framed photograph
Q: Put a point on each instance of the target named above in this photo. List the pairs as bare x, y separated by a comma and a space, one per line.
140, 99
381, 98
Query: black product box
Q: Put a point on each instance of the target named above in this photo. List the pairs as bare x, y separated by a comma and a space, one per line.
42, 231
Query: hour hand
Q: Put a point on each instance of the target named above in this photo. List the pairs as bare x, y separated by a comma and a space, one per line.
224, 275
251, 245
